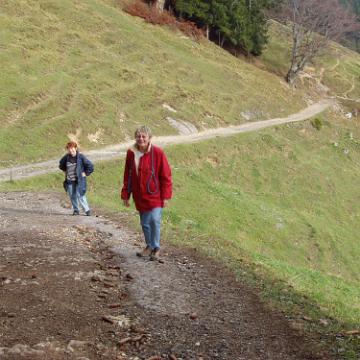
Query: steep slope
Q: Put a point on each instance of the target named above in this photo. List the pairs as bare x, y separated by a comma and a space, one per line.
336, 70
280, 207
85, 69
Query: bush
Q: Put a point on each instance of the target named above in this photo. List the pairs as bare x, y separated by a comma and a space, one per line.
190, 29
317, 123
137, 8
160, 18
151, 15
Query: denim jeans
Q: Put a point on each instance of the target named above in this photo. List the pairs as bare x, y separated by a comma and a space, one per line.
76, 198
151, 223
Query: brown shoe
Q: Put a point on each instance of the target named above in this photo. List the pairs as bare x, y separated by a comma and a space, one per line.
155, 256
144, 252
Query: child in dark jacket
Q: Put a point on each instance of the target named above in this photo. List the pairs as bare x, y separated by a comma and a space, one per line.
76, 168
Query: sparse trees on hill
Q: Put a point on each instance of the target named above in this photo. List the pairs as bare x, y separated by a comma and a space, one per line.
314, 24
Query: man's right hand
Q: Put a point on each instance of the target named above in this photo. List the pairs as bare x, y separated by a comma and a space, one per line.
126, 203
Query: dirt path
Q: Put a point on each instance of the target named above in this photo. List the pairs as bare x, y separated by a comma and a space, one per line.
116, 151
72, 288
352, 87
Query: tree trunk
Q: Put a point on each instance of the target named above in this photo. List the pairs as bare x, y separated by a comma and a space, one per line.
223, 41
298, 35
291, 76
298, 66
160, 5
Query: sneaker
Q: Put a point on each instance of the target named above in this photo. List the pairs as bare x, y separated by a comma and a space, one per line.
75, 212
155, 256
88, 213
144, 252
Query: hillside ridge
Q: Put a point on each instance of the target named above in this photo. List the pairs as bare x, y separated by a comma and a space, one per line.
114, 151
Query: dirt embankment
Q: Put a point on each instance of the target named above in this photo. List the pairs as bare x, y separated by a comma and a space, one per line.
72, 288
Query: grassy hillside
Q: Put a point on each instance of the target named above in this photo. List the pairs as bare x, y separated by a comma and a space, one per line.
337, 67
86, 68
285, 199
280, 205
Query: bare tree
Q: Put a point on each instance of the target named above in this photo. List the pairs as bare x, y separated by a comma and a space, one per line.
314, 24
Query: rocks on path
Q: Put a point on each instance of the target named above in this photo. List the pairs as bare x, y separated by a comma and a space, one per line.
72, 288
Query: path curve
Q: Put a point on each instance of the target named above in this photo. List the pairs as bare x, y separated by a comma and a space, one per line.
116, 151
72, 288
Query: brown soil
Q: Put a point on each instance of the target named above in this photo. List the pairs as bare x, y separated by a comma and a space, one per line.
71, 287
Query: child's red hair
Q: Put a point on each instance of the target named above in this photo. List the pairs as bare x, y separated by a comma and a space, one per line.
71, 144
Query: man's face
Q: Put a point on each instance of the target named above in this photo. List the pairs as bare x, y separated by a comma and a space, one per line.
72, 151
142, 140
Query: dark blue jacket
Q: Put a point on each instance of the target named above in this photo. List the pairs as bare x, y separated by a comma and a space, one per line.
83, 164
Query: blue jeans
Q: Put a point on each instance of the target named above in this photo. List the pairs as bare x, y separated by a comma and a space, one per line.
76, 198
151, 223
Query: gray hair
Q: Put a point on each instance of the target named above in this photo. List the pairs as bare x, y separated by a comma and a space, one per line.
143, 129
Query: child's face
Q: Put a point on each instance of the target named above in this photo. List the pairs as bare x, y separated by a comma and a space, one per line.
72, 151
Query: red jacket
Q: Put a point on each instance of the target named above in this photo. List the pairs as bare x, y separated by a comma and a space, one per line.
148, 191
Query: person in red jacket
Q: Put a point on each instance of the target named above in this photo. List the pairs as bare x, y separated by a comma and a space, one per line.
147, 177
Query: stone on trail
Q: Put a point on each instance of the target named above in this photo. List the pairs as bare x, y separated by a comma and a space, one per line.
119, 320
129, 277
113, 306
74, 345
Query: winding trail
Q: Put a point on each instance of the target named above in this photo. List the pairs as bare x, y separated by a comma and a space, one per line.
116, 151
352, 87
72, 288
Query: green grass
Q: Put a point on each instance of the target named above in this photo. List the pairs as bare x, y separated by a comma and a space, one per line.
337, 67
83, 67
280, 207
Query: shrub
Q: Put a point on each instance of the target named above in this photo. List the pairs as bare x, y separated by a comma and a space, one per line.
190, 29
317, 123
151, 15
137, 8
159, 18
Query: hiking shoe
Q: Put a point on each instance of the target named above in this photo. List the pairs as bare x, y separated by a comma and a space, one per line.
88, 213
75, 212
144, 252
155, 256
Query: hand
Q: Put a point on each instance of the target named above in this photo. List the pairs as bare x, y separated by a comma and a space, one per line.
166, 203
83, 174
126, 203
